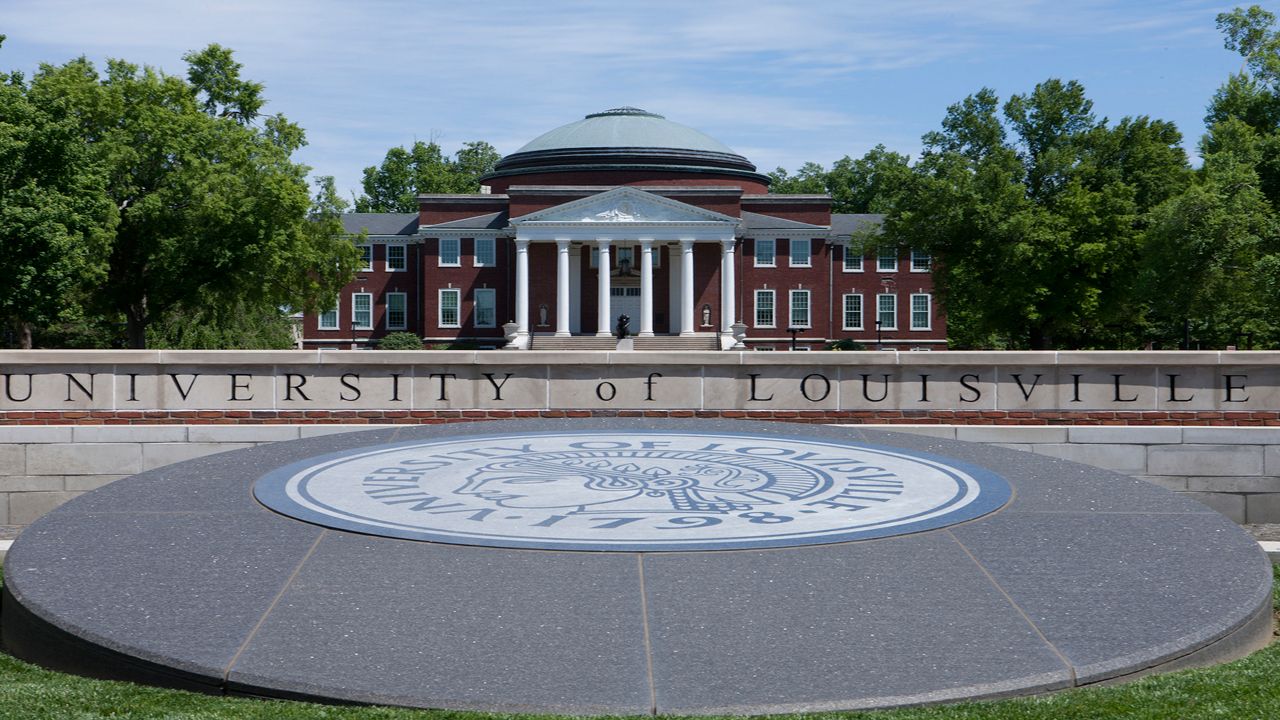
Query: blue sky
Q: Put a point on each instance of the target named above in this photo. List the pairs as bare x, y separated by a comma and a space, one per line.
780, 82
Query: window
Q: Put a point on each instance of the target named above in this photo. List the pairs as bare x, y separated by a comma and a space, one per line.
329, 319
396, 311
920, 311
366, 257
800, 308
449, 308
764, 252
625, 257
450, 250
484, 253
853, 256
887, 260
853, 312
764, 308
395, 258
361, 311
920, 262
657, 256
887, 311
800, 253
486, 308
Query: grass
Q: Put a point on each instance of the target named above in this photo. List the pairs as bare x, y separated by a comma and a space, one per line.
1246, 688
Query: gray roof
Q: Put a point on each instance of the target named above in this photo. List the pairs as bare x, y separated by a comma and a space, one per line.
381, 223
844, 224
491, 221
625, 127
755, 221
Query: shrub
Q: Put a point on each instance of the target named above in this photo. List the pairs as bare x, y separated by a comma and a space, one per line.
400, 341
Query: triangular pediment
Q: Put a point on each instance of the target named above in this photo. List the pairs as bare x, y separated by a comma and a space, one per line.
624, 205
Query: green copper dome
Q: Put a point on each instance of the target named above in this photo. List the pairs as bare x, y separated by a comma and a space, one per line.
627, 139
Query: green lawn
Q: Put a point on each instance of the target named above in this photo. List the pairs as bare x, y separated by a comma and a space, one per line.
1248, 688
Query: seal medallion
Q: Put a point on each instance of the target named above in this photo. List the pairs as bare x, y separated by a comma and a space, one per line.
635, 491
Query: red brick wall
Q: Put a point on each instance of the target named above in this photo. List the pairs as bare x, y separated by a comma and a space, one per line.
378, 282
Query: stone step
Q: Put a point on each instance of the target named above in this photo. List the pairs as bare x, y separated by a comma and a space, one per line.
676, 343
585, 342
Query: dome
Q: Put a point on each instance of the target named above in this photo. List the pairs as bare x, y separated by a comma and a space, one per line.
626, 138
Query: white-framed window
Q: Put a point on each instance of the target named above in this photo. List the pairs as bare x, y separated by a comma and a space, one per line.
328, 319
920, 306
450, 252
764, 309
853, 256
366, 257
361, 311
765, 252
801, 252
396, 261
397, 306
486, 307
887, 259
799, 308
887, 311
625, 254
853, 311
594, 261
657, 256
450, 317
485, 254
921, 262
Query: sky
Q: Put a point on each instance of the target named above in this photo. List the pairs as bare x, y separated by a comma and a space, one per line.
779, 82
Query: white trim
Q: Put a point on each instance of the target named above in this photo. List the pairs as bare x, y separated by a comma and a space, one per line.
368, 266
808, 309
844, 312
850, 253
928, 262
475, 252
894, 326
755, 252
492, 294
404, 257
457, 308
404, 311
356, 325
791, 252
773, 309
337, 319
880, 254
928, 311
457, 254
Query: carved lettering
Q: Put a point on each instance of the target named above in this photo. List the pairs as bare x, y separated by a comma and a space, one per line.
395, 387
1116, 378
290, 386
648, 386
181, 391
444, 390
343, 396
924, 388
977, 394
600, 390
8, 388
497, 386
753, 397
826, 387
133, 387
72, 380
236, 387
1173, 390
1026, 393
1075, 388
1230, 386
866, 380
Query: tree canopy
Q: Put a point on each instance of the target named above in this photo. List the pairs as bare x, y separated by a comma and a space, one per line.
394, 185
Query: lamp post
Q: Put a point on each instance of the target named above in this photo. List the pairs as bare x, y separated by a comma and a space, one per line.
793, 332
879, 345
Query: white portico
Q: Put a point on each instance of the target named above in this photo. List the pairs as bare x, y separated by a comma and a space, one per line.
618, 220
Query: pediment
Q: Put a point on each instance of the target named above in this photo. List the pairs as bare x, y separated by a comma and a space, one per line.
624, 205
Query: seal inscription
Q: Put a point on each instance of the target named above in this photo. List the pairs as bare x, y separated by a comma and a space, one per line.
634, 491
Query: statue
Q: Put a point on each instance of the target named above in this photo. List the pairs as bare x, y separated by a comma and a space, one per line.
706, 316
624, 326
542, 315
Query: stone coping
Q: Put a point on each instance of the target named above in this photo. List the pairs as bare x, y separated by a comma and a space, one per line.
1085, 576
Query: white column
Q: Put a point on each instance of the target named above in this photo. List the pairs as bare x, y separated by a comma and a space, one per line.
562, 288
646, 288
686, 287
605, 318
522, 287
728, 291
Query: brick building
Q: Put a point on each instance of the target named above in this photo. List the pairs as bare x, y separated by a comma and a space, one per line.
694, 249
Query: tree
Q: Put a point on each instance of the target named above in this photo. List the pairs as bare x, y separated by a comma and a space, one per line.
865, 185
52, 211
1034, 212
208, 205
394, 185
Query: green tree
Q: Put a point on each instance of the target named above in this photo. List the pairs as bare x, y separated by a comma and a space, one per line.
1034, 212
394, 185
52, 211
208, 205
865, 185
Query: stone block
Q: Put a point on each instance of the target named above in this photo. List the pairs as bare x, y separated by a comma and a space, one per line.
31, 483
1233, 506
85, 483
1169, 482
128, 433
946, 432
35, 434
84, 459
25, 507
13, 459
1127, 435
156, 455
308, 431
1246, 484
1262, 508
1128, 459
241, 433
1011, 434
1215, 460
1232, 435
1271, 460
